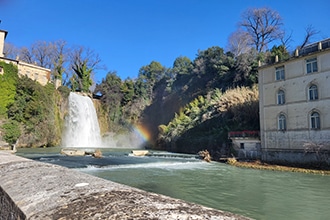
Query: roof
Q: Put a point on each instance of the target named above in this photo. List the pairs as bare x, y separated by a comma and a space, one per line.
6, 32
300, 52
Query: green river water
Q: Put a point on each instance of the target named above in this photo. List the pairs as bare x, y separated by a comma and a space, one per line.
253, 193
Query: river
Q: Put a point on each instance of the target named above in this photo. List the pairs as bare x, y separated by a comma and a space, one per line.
257, 194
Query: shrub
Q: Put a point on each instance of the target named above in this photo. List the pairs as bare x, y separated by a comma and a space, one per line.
11, 131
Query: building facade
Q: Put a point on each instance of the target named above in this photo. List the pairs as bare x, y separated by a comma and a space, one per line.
294, 101
34, 72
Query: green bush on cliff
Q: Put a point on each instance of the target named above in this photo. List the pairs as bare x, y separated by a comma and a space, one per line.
11, 131
8, 80
205, 121
34, 108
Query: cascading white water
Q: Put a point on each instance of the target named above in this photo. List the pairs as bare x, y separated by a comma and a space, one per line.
81, 125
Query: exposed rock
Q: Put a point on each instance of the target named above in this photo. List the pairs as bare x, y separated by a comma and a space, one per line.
73, 152
140, 152
205, 155
97, 154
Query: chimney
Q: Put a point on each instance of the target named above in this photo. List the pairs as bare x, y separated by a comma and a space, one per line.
3, 35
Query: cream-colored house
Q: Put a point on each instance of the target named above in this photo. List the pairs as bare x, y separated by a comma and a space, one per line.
35, 72
295, 106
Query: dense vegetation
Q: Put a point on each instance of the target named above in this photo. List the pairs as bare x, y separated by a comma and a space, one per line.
30, 115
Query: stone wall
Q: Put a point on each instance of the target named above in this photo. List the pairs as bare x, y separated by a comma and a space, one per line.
46, 191
9, 209
319, 159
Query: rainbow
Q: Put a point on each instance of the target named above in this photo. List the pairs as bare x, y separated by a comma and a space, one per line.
141, 132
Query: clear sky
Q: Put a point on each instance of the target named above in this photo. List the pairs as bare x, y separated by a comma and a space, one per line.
129, 34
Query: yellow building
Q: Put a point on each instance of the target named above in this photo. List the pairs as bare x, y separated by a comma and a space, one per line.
34, 72
295, 106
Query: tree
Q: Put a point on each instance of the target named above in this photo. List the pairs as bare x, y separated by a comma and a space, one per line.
127, 89
264, 25
10, 51
212, 61
239, 42
151, 74
26, 55
11, 131
59, 58
310, 32
42, 53
110, 89
83, 63
182, 65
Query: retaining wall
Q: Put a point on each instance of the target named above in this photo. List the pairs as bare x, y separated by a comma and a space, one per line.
34, 190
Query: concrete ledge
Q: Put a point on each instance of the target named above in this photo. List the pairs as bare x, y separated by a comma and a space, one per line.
34, 190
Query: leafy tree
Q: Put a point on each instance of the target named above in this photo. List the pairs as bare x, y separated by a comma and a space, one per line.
280, 52
264, 25
211, 61
127, 89
140, 89
151, 74
246, 69
110, 89
182, 65
59, 59
11, 131
83, 63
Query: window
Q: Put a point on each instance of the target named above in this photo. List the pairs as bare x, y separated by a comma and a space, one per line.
311, 65
281, 122
315, 120
280, 97
313, 93
279, 73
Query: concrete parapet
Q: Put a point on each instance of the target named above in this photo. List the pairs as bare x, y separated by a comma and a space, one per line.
35, 190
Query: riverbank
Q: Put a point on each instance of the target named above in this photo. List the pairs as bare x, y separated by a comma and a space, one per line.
36, 190
264, 166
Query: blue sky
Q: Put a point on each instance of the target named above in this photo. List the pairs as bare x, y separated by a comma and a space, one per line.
129, 34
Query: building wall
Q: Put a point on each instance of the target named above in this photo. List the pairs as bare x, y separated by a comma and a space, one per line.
2, 41
34, 72
298, 134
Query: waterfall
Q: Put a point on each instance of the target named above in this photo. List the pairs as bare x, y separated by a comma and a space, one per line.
81, 125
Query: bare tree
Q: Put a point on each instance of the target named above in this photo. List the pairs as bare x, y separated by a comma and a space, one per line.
263, 25
239, 42
286, 39
10, 51
42, 52
26, 55
310, 32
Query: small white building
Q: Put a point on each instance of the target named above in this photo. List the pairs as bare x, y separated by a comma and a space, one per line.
294, 97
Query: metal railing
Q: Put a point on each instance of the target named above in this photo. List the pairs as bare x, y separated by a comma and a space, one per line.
244, 134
